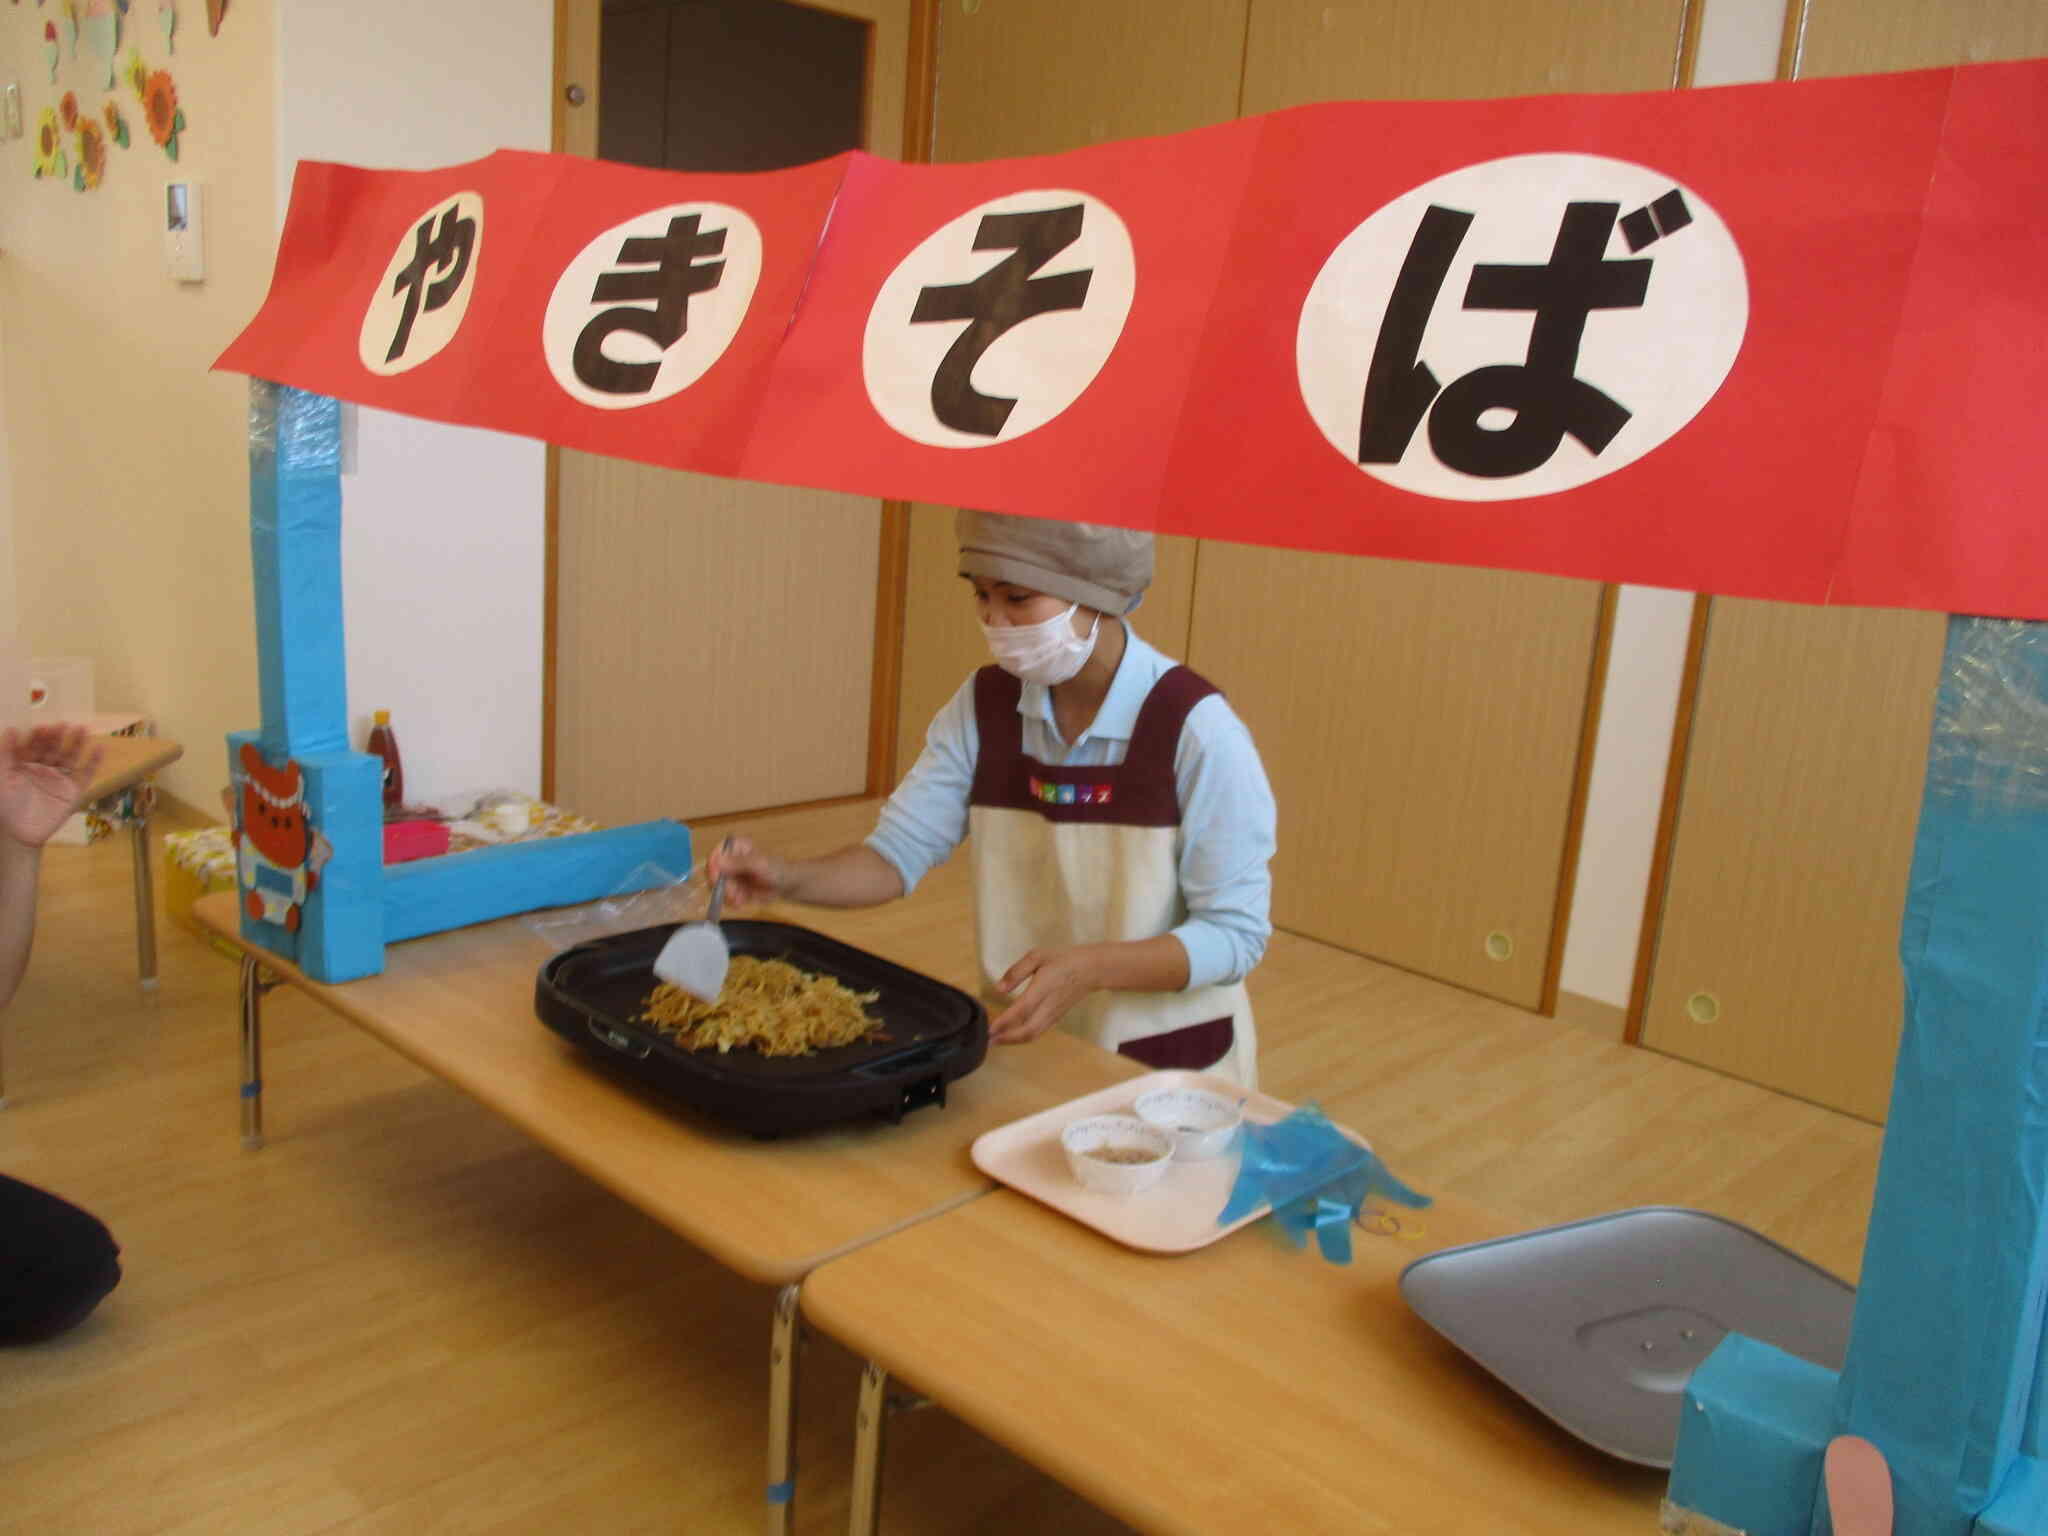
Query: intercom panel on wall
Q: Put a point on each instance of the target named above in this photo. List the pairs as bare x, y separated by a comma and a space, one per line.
185, 230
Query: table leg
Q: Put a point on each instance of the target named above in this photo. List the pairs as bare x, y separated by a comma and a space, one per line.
254, 985
870, 1419
785, 1337
145, 905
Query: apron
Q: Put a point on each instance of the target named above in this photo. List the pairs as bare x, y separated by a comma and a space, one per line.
1090, 855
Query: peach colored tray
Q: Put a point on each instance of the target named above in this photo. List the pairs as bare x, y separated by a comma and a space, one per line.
1176, 1215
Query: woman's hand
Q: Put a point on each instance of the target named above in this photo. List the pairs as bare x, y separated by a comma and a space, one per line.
1047, 983
752, 876
43, 776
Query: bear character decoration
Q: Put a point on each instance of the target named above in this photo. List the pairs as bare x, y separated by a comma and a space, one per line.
278, 852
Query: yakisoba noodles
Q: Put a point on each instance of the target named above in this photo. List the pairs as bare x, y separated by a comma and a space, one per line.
769, 1006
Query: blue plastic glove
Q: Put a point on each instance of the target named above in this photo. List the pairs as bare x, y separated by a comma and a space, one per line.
1315, 1177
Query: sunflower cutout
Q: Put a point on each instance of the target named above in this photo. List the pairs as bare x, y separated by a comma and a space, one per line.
137, 72
160, 107
117, 125
92, 154
50, 159
67, 109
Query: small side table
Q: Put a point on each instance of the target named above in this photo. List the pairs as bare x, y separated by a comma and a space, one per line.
126, 761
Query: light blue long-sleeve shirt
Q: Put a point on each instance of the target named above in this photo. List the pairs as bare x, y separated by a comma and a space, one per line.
1226, 806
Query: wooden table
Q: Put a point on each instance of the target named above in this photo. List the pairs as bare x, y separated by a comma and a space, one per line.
1243, 1387
461, 1005
126, 761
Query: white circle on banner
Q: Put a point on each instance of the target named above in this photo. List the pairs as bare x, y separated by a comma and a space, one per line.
1510, 429
1029, 360
673, 305
418, 307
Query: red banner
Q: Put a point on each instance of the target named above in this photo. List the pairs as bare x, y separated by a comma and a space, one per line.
1781, 341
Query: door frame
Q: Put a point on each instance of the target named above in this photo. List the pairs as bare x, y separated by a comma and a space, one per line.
573, 131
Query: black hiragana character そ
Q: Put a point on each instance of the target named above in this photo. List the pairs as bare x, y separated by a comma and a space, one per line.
1005, 295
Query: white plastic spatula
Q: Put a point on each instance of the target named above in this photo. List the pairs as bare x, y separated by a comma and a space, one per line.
695, 957
1859, 1484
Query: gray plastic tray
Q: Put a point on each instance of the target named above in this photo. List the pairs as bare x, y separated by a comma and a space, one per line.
1600, 1323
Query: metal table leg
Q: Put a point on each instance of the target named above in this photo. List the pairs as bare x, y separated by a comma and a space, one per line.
145, 906
785, 1338
254, 985
870, 1420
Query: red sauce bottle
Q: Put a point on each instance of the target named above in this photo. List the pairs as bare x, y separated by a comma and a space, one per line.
384, 744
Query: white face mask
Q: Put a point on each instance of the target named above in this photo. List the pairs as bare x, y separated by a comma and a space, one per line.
1047, 653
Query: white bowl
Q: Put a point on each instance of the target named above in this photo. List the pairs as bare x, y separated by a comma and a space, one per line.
1116, 1154
1201, 1124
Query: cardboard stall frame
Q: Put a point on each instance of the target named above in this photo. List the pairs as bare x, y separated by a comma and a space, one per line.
309, 812
1946, 1372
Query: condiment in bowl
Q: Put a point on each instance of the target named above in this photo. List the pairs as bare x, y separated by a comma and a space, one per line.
1202, 1124
1116, 1154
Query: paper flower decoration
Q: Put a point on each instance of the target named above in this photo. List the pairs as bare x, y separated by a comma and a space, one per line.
117, 125
167, 18
92, 155
215, 9
102, 29
67, 109
137, 72
71, 25
50, 51
50, 159
160, 107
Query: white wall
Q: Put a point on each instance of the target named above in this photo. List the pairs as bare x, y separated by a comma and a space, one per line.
1738, 45
8, 612
442, 527
13, 658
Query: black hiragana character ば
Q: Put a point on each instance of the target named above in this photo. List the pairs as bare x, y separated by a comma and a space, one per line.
1547, 399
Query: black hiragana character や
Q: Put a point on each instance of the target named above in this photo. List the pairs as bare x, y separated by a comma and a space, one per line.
446, 250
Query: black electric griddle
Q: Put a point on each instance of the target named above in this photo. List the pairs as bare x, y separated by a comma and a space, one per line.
591, 995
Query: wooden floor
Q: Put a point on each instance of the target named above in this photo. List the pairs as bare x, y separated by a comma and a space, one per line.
401, 1316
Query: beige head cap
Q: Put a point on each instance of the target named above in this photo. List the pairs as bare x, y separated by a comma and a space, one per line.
1092, 564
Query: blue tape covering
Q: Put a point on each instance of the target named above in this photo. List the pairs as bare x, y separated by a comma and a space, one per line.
344, 931
1945, 1369
455, 890
2021, 1508
252, 1090
1751, 1439
781, 1493
1315, 1178
295, 550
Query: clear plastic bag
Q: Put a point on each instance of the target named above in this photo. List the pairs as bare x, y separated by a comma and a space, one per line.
664, 898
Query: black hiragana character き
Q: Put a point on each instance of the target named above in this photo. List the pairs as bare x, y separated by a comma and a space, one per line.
672, 277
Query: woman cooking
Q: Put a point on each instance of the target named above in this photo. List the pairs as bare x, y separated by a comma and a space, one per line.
1121, 818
